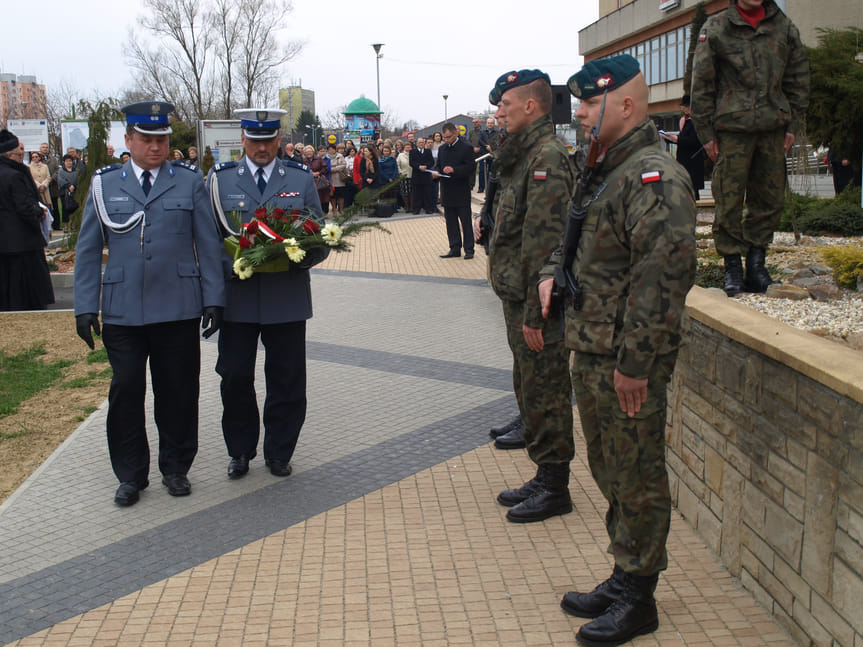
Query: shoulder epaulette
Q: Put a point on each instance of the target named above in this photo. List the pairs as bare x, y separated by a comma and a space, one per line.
293, 164
223, 165
106, 169
185, 165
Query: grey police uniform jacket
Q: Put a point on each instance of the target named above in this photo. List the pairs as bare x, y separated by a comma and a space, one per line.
167, 267
277, 297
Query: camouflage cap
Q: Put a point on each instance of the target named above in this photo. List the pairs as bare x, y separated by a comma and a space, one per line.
604, 74
514, 79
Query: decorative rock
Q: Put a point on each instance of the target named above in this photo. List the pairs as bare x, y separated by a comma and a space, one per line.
803, 273
806, 282
780, 291
824, 292
820, 268
65, 256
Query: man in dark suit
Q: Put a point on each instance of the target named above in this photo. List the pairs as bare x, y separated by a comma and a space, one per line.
455, 161
421, 159
164, 271
271, 306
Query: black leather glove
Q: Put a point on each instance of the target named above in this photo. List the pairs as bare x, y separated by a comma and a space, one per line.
84, 323
211, 320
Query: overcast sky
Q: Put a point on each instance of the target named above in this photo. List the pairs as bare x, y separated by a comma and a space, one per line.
452, 47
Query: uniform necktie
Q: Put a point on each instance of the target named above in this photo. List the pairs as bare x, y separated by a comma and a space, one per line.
145, 182
262, 183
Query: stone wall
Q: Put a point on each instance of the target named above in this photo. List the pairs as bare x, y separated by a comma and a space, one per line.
765, 455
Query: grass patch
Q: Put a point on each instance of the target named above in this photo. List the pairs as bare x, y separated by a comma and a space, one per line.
98, 355
23, 376
87, 411
87, 380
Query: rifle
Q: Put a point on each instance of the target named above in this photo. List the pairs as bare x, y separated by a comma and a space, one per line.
566, 289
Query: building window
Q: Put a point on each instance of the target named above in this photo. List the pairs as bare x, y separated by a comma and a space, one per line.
662, 58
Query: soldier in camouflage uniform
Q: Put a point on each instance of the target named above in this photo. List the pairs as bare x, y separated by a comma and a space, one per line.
635, 263
536, 181
750, 90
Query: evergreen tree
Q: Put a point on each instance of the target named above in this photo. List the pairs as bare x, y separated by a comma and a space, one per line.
835, 115
698, 21
99, 122
307, 118
207, 162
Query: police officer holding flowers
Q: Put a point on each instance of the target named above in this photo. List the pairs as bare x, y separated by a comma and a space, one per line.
163, 273
272, 306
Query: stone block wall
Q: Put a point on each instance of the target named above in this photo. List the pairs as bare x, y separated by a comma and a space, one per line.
765, 455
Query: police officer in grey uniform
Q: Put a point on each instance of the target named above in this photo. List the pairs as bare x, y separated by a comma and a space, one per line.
163, 273
271, 306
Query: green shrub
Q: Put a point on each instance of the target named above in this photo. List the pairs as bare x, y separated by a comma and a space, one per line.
846, 262
710, 273
841, 215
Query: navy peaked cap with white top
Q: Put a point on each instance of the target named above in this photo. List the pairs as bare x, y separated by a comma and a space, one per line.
512, 80
260, 123
604, 74
149, 117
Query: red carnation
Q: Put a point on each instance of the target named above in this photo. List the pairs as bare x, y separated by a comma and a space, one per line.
278, 214
260, 213
252, 228
311, 227
244, 242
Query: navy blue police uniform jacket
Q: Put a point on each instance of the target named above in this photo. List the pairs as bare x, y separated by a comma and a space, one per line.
275, 297
167, 267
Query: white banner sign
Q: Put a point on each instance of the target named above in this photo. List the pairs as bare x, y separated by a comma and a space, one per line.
32, 132
75, 133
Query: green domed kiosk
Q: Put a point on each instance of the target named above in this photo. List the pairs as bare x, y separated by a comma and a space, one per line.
362, 120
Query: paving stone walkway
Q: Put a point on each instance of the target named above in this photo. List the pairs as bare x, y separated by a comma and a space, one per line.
387, 533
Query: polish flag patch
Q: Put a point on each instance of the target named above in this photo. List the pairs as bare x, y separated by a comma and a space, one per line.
702, 37
650, 176
540, 175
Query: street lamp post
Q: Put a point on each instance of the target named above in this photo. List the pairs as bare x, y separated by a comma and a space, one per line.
445, 97
378, 57
314, 129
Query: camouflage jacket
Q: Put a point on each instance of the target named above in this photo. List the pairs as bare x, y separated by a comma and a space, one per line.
746, 79
636, 256
536, 182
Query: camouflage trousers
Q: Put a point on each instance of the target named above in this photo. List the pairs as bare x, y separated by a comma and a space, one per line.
542, 389
750, 169
627, 460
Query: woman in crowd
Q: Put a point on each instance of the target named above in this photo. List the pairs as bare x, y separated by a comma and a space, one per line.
319, 168
338, 171
177, 155
370, 167
25, 282
350, 187
41, 176
67, 180
193, 156
405, 172
389, 171
436, 142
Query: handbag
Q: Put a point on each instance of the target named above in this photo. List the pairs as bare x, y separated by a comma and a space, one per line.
322, 183
70, 204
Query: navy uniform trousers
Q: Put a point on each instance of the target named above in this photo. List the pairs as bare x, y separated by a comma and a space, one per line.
285, 372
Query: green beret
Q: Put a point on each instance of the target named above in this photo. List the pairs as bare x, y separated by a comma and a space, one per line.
604, 74
513, 79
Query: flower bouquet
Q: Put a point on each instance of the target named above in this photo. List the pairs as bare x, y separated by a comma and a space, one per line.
275, 239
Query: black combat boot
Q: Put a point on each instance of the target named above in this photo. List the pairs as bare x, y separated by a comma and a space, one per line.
632, 614
503, 429
513, 439
733, 275
757, 276
510, 498
551, 498
595, 603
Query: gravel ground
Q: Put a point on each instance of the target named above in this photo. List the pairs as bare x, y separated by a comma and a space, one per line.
840, 319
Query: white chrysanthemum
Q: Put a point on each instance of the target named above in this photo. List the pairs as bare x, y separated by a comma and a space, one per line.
294, 251
332, 234
242, 269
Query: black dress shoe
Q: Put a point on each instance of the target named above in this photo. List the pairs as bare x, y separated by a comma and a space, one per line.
513, 439
451, 254
500, 430
279, 467
239, 466
178, 484
468, 256
127, 493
